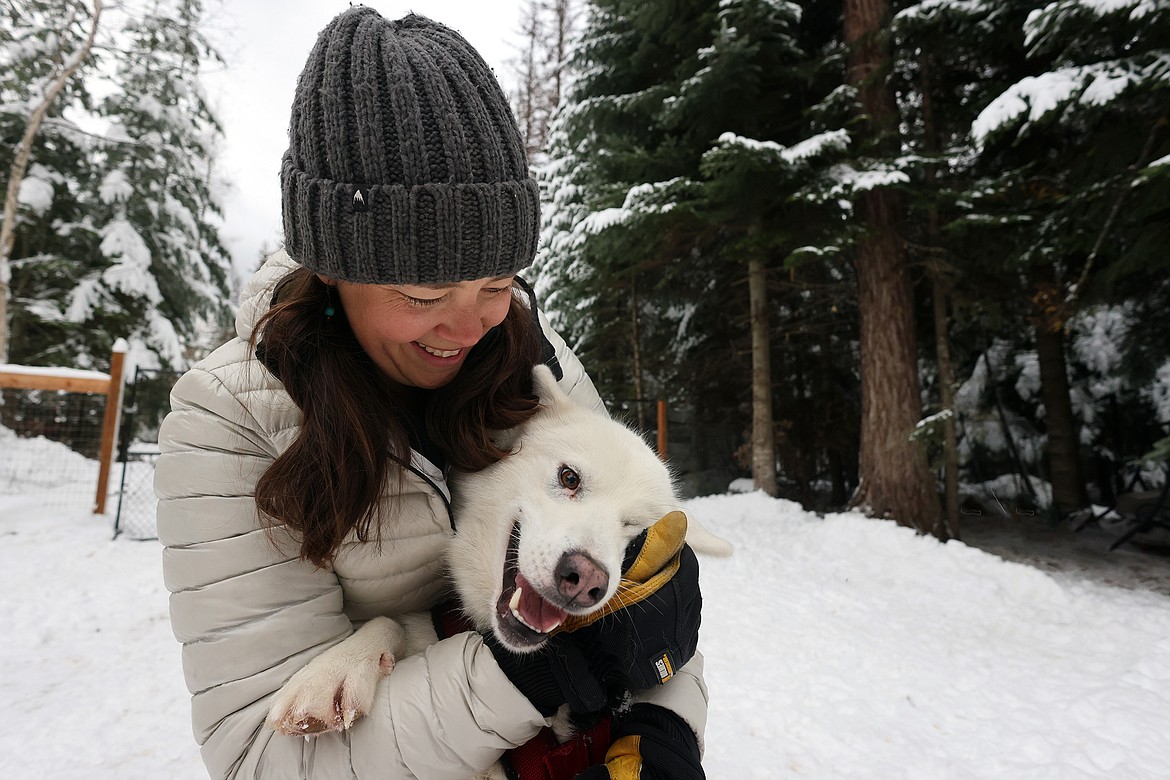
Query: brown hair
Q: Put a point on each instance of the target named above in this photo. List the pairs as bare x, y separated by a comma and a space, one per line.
331, 479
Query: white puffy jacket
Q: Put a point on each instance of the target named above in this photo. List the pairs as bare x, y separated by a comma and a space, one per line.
249, 616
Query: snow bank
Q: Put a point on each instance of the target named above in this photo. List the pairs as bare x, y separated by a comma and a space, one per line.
845, 647
836, 647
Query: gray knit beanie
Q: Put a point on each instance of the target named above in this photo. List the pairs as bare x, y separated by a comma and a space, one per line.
405, 165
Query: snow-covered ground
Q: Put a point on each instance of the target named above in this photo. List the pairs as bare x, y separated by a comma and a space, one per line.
837, 647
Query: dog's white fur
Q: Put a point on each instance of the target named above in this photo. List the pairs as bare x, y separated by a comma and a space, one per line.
523, 514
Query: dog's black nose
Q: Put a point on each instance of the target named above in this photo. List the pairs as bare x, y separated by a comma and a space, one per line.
581, 580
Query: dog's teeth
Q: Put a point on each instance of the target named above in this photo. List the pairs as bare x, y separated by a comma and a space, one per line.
553, 627
514, 605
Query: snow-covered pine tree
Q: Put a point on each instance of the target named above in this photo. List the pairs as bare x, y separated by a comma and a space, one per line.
615, 231
695, 139
758, 101
1084, 134
951, 57
45, 54
162, 272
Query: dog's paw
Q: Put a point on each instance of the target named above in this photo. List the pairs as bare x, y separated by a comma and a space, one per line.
327, 695
494, 772
338, 686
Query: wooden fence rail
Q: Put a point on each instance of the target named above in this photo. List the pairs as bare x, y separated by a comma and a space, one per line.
73, 380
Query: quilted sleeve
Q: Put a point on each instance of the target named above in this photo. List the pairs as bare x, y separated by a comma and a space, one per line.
249, 614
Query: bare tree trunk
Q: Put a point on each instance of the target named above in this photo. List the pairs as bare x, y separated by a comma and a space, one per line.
894, 479
526, 70
20, 165
763, 433
837, 496
1064, 448
546, 26
940, 293
636, 350
835, 461
942, 348
563, 21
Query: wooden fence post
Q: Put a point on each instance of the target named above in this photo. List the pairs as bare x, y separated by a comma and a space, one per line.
110, 426
662, 429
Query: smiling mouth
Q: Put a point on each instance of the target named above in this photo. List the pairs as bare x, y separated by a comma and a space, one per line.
524, 619
441, 353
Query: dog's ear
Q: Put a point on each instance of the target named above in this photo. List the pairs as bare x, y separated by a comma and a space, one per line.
544, 384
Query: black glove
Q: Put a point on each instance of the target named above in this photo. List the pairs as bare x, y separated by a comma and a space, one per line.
638, 641
649, 743
557, 674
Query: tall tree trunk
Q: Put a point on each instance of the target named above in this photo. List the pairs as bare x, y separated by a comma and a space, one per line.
763, 432
940, 293
525, 70
636, 352
895, 480
1064, 448
942, 348
20, 165
837, 495
563, 21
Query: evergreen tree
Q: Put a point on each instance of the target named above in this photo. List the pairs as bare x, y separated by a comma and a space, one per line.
706, 146
45, 52
119, 233
614, 181
162, 271
680, 176
1081, 135
951, 59
758, 103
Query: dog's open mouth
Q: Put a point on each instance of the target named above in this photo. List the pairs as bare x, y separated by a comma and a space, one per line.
524, 617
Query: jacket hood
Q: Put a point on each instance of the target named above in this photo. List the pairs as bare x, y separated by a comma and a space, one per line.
256, 296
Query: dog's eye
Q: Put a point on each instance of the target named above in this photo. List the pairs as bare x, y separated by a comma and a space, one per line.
570, 480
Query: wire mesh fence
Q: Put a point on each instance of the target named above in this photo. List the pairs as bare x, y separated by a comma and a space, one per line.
147, 402
49, 442
136, 501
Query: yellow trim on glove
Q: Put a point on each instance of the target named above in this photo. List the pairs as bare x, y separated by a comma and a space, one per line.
624, 758
664, 541
657, 562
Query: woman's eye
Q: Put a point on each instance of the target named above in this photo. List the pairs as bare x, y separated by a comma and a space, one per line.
570, 480
422, 301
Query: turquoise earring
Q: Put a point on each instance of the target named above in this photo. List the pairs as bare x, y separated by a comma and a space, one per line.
329, 310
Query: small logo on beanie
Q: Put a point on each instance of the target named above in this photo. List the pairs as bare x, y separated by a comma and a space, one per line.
361, 199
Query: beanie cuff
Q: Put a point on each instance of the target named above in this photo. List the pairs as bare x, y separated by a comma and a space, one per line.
433, 233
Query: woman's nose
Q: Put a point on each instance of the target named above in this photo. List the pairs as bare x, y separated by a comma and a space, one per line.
464, 326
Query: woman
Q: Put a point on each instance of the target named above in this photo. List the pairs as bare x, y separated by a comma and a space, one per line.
302, 484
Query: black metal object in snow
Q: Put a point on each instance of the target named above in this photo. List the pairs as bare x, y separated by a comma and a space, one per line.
147, 402
1144, 511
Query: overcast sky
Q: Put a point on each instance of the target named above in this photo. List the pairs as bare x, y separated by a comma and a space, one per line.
265, 44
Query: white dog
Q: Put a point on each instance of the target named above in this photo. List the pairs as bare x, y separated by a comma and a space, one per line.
540, 538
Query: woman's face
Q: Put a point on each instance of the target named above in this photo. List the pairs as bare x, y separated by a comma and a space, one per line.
420, 335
